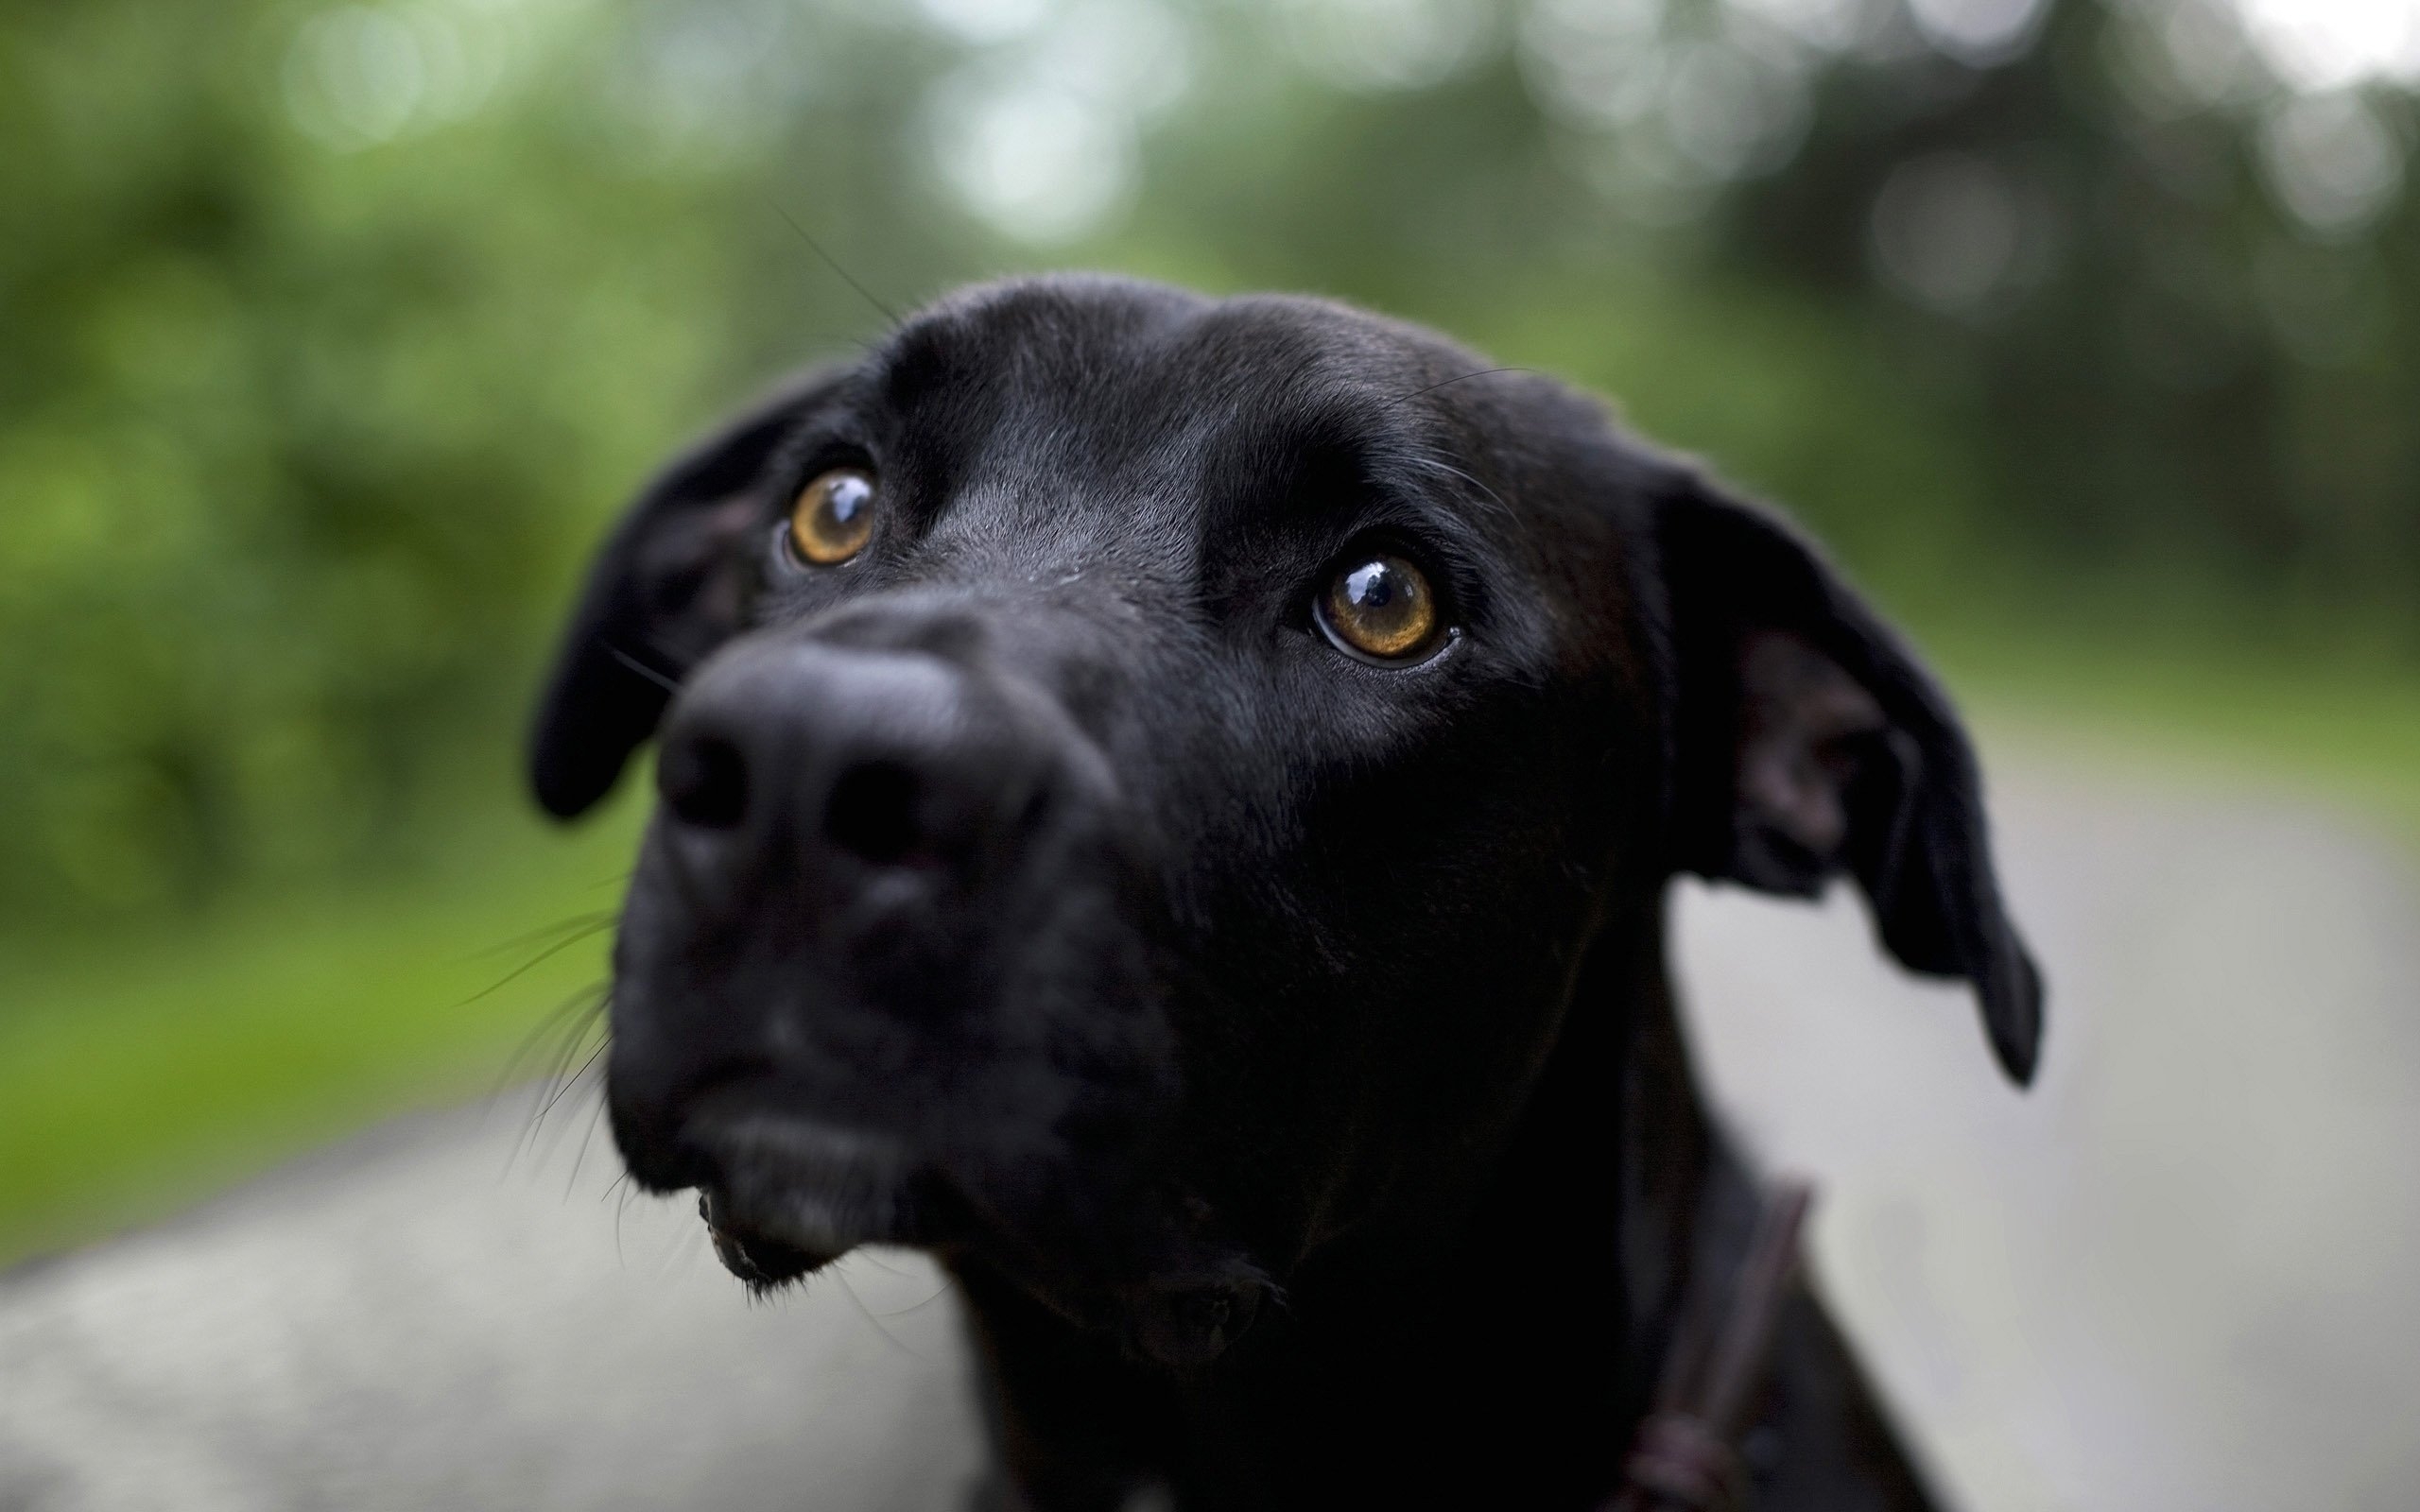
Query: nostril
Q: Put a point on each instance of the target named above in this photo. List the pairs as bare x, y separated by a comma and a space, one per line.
872, 812
704, 781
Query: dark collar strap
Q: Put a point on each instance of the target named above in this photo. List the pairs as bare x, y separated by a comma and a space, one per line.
1684, 1459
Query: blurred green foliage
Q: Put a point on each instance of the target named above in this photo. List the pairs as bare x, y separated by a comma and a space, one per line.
331, 333
288, 440
202, 1050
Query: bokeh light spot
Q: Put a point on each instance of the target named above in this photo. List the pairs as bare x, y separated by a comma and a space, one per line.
1947, 231
1978, 32
2331, 162
1039, 162
2323, 44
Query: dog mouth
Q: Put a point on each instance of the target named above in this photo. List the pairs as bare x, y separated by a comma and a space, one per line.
758, 1258
790, 1195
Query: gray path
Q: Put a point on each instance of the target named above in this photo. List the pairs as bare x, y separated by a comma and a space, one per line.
406, 1323
2183, 1274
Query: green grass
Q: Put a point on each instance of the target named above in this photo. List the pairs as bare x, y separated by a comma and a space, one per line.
2341, 729
137, 1073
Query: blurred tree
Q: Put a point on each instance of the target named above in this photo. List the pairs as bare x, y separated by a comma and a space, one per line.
331, 332
2176, 311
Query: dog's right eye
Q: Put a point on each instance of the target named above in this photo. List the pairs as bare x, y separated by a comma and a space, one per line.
1381, 608
832, 518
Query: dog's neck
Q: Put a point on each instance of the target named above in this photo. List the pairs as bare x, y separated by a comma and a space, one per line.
1502, 1359
1619, 1104
1561, 1289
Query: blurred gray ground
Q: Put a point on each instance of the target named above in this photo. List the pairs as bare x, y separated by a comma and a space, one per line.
2181, 1274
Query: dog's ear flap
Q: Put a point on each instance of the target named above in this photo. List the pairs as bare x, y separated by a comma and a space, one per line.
670, 585
1809, 740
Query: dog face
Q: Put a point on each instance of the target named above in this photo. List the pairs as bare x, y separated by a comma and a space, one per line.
1138, 776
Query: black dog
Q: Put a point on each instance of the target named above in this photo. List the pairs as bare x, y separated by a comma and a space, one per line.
1167, 804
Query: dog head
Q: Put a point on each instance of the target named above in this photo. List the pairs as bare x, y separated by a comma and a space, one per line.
1138, 775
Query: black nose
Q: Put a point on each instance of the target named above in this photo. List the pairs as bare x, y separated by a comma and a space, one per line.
876, 812
836, 758
704, 780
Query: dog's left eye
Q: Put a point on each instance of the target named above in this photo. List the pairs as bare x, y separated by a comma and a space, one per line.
832, 518
1380, 607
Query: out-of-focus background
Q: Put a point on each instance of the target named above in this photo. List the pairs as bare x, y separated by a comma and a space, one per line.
2086, 332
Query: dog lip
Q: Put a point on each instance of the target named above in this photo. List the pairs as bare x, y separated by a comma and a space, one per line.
784, 1182
759, 1261
787, 1194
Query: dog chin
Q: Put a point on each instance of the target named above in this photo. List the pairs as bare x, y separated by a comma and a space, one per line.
764, 1262
790, 1195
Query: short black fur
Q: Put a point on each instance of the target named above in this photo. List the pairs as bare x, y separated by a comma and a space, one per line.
1275, 1045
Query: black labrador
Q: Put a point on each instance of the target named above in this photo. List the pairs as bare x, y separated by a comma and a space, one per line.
1167, 803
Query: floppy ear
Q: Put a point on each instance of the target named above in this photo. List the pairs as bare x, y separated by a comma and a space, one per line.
670, 585
1810, 742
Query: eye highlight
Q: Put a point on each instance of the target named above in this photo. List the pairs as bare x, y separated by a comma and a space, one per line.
833, 516
1380, 609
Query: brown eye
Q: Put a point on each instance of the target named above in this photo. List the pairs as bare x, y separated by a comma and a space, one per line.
1380, 609
833, 517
